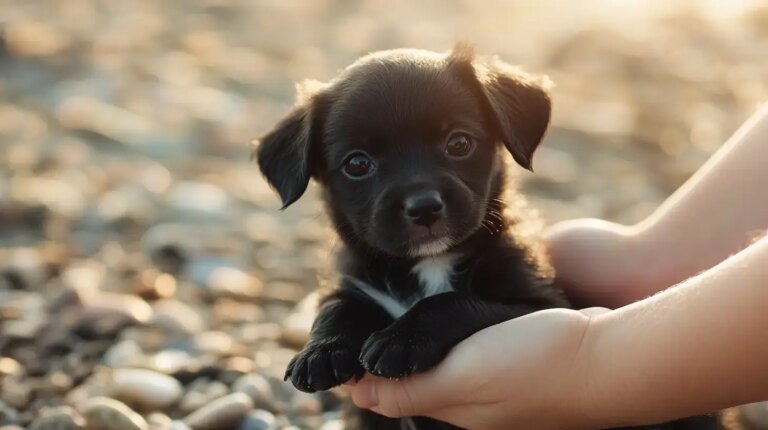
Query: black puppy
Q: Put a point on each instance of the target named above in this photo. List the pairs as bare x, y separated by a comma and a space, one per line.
407, 148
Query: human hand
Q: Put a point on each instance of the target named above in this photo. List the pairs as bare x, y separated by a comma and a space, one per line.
528, 373
601, 263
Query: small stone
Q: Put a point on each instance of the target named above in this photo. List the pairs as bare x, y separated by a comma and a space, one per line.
58, 418
146, 388
199, 201
22, 330
257, 388
179, 425
123, 354
102, 413
201, 392
170, 360
10, 367
258, 419
214, 342
297, 325
132, 307
223, 278
159, 421
227, 311
296, 328
198, 370
333, 425
106, 314
306, 404
7, 413
16, 393
154, 285
226, 412
176, 316
233, 282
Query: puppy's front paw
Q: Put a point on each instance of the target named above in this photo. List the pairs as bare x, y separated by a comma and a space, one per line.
396, 352
323, 365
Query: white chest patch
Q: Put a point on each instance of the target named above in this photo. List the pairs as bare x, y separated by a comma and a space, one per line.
434, 274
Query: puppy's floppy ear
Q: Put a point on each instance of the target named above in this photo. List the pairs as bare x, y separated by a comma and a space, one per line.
288, 155
518, 102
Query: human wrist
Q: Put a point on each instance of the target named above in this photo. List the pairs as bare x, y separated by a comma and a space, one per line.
582, 404
599, 393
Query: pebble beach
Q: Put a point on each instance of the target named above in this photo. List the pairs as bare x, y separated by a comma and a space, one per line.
148, 279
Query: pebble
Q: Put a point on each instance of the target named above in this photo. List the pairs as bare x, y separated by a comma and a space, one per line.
201, 392
105, 314
170, 360
223, 278
149, 389
258, 419
129, 306
258, 389
214, 342
102, 413
10, 367
179, 425
223, 413
58, 418
335, 424
199, 201
123, 354
159, 421
176, 316
16, 393
7, 413
306, 404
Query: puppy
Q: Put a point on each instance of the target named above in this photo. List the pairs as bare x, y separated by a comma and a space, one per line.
407, 148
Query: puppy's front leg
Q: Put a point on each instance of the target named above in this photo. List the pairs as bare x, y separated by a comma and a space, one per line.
330, 358
422, 337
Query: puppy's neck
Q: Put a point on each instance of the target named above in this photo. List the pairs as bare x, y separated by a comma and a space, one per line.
435, 273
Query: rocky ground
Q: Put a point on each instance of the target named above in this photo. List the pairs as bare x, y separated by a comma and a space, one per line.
147, 280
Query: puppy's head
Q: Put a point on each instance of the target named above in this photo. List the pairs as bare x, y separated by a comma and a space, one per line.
405, 143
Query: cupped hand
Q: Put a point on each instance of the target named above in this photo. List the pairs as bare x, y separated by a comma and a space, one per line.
524, 373
600, 263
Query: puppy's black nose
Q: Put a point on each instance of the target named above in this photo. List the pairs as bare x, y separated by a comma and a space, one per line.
424, 207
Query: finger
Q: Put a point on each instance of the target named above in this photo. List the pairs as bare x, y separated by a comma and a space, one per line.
416, 395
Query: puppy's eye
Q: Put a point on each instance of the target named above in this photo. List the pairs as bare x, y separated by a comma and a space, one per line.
358, 166
459, 145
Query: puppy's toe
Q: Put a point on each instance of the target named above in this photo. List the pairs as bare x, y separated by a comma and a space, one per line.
396, 354
298, 373
319, 372
320, 367
384, 356
345, 365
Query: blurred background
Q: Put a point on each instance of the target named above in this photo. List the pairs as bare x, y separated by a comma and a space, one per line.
146, 274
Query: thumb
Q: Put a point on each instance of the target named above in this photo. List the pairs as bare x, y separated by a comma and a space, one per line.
416, 395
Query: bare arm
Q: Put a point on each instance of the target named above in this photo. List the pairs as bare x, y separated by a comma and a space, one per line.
697, 347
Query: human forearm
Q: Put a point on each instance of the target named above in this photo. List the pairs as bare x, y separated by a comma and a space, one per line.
697, 347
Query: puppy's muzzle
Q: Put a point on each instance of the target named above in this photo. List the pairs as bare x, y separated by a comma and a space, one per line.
424, 208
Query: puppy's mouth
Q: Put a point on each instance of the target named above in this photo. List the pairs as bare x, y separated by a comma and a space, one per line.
429, 242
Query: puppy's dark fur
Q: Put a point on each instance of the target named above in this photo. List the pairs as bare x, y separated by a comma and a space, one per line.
413, 284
